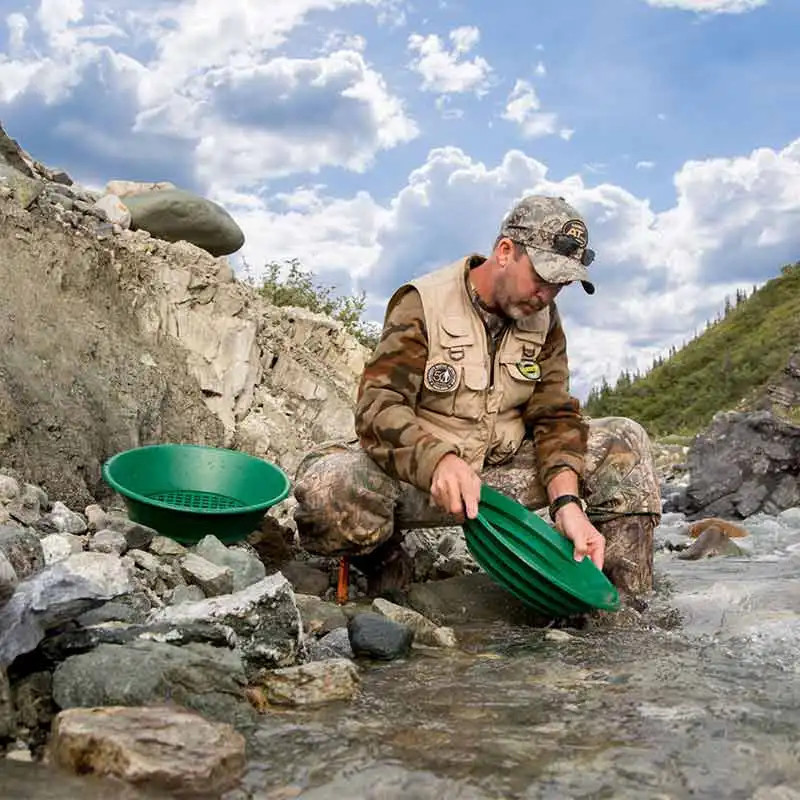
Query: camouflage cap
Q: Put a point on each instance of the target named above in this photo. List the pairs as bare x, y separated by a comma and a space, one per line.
554, 236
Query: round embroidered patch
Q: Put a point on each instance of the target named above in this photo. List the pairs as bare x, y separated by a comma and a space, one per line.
441, 377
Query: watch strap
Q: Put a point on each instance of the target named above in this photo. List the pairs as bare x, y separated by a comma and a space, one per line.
561, 501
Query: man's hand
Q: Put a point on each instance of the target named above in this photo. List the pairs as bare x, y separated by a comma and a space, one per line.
587, 540
456, 487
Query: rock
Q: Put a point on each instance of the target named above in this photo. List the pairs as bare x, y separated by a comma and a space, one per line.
133, 609
263, 616
59, 593
743, 463
24, 190
713, 541
376, 637
212, 579
14, 156
164, 547
108, 541
96, 517
58, 546
8, 579
730, 529
209, 680
33, 701
40, 782
319, 617
125, 188
306, 579
8, 716
790, 517
311, 684
246, 568
23, 550
470, 598
186, 594
137, 536
27, 508
555, 635
425, 631
335, 644
114, 210
159, 747
66, 521
9, 489
59, 647
174, 214
145, 560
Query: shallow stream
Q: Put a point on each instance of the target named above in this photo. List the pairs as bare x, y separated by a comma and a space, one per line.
707, 709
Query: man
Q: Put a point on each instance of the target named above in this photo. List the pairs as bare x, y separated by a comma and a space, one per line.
469, 384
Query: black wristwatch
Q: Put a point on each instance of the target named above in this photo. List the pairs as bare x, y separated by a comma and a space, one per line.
563, 500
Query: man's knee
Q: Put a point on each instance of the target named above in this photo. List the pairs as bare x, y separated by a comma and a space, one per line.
620, 473
345, 503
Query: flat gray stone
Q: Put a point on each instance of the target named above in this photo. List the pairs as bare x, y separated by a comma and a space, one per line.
175, 215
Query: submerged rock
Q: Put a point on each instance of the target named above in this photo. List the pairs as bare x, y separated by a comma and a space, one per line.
713, 541
312, 684
374, 636
161, 747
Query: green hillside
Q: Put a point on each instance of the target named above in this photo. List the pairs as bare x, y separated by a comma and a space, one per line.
728, 364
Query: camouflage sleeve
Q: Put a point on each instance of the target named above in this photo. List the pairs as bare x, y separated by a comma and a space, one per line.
386, 422
559, 431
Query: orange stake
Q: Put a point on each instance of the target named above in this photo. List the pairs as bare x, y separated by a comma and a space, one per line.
343, 585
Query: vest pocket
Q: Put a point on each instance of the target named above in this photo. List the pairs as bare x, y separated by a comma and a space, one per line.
517, 381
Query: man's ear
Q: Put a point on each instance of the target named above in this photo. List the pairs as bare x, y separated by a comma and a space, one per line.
504, 251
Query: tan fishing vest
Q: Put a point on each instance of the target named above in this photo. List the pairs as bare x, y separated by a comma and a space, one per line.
465, 399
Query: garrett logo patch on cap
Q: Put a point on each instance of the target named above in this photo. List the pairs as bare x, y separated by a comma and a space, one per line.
577, 229
440, 377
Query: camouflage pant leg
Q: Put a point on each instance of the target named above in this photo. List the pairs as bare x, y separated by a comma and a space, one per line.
619, 476
346, 502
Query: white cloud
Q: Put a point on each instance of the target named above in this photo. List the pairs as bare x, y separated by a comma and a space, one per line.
212, 82
327, 234
17, 28
293, 115
645, 164
447, 71
540, 70
660, 275
55, 16
711, 6
341, 40
523, 107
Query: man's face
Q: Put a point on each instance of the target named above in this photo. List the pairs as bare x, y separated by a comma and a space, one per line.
519, 291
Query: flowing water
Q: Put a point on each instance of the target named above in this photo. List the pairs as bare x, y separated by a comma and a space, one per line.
707, 709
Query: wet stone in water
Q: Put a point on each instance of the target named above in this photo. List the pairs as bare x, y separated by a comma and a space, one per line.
376, 637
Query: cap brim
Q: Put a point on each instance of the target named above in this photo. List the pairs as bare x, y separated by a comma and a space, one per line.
555, 268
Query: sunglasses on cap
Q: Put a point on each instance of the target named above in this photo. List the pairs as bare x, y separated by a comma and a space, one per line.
566, 245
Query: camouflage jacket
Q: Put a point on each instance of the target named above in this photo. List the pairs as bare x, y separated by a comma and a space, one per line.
390, 430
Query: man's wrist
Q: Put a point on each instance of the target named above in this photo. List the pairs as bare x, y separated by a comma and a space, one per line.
564, 500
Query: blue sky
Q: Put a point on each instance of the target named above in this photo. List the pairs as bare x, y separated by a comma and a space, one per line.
376, 139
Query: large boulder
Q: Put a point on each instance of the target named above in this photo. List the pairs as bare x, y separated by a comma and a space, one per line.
208, 680
175, 215
743, 463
